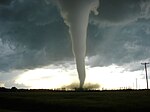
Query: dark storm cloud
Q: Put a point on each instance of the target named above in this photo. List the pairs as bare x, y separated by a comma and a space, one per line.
123, 45
33, 34
114, 12
5, 2
118, 10
121, 33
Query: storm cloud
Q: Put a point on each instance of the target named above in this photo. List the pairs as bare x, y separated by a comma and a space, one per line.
33, 34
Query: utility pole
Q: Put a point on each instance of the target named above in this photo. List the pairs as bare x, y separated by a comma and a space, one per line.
145, 64
136, 84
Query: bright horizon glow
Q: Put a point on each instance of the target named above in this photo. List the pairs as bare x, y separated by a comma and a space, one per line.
111, 77
44, 78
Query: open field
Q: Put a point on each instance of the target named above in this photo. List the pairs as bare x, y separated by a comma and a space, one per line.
71, 101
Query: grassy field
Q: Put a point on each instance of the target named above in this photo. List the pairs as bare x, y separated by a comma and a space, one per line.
98, 101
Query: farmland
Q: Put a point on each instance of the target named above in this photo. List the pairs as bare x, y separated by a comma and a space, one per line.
74, 101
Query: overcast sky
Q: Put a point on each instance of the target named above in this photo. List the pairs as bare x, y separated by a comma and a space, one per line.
33, 35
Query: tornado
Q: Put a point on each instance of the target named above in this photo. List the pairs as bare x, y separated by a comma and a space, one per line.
76, 16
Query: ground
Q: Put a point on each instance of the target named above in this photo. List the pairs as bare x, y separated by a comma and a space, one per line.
74, 101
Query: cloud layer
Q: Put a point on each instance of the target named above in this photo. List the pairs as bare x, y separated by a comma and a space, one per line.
33, 34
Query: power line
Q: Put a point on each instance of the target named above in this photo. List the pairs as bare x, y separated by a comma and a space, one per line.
145, 64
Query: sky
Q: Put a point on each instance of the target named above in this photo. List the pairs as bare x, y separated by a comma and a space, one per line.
36, 50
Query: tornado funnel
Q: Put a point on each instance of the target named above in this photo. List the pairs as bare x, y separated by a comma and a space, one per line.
76, 16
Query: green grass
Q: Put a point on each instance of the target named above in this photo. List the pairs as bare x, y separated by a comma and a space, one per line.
104, 101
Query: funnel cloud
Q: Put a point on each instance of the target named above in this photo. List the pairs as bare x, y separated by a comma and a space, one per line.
76, 16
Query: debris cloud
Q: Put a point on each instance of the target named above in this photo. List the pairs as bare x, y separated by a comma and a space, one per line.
87, 86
